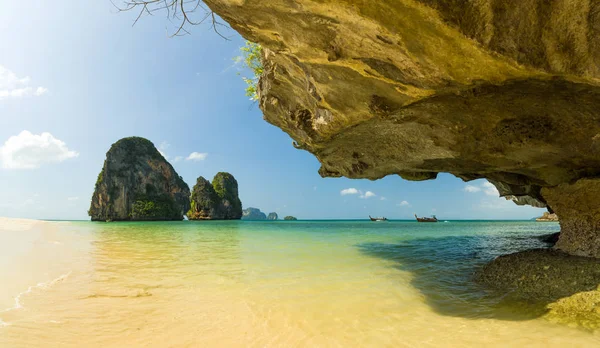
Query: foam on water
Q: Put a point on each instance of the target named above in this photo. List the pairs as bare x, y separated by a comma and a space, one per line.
39, 286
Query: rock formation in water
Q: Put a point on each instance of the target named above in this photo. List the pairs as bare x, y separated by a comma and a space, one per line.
227, 189
508, 91
253, 214
204, 201
137, 183
272, 216
547, 217
218, 200
290, 218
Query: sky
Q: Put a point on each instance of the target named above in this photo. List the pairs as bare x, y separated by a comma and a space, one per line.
76, 76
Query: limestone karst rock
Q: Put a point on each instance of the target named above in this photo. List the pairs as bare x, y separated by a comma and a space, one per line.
137, 183
253, 214
218, 200
204, 201
272, 216
503, 90
227, 189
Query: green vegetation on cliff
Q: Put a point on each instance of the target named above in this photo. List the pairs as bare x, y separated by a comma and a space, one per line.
154, 207
252, 59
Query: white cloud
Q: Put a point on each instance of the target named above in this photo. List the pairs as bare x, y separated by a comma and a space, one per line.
12, 86
41, 91
177, 159
403, 204
487, 188
30, 151
472, 189
349, 191
353, 191
382, 198
368, 194
197, 156
490, 189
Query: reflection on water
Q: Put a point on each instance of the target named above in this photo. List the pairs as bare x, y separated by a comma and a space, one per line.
238, 284
443, 268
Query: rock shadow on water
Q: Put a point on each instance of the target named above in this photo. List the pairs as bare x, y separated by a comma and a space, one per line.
443, 269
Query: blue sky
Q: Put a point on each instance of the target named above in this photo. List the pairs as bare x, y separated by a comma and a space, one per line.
75, 77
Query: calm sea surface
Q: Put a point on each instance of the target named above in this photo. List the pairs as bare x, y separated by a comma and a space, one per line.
280, 284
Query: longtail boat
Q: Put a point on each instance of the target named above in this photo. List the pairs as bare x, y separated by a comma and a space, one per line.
426, 219
378, 218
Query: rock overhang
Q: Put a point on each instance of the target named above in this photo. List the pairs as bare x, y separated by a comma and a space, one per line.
503, 90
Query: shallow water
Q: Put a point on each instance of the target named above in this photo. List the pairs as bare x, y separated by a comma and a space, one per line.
304, 283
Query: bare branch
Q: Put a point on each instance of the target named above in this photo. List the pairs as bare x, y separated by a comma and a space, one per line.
179, 12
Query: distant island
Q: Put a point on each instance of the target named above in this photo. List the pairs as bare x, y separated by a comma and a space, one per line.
547, 217
257, 215
253, 214
290, 218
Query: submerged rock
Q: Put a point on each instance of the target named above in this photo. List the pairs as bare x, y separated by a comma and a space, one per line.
290, 218
478, 89
541, 275
253, 214
137, 183
216, 201
272, 216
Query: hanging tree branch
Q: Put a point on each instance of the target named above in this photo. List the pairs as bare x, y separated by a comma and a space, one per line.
179, 12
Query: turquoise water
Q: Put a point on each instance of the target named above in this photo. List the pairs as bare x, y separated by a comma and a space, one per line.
440, 257
298, 283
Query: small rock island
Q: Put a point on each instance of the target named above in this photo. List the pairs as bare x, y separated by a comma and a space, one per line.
548, 217
253, 214
290, 218
216, 201
273, 216
138, 184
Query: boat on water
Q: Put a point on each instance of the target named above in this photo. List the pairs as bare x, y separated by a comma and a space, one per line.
426, 219
378, 218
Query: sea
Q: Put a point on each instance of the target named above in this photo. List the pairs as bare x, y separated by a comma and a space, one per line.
268, 284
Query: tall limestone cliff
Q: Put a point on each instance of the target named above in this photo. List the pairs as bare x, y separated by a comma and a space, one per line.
137, 183
216, 201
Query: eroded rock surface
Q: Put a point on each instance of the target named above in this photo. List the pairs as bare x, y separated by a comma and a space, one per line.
503, 90
137, 183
